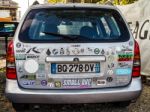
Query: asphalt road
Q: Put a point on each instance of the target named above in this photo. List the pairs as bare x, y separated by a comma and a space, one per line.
142, 104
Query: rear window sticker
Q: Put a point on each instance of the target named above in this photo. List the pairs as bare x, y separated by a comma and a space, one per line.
82, 50
131, 43
38, 82
96, 51
122, 79
76, 51
67, 51
31, 66
18, 45
109, 79
23, 50
90, 49
124, 64
111, 65
41, 68
20, 70
20, 57
126, 48
77, 82
125, 57
110, 72
57, 84
111, 58
62, 51
123, 71
28, 83
41, 75
34, 50
44, 83
55, 51
50, 84
32, 56
103, 52
101, 82
48, 52
29, 77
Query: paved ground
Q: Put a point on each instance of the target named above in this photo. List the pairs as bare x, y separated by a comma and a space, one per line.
142, 104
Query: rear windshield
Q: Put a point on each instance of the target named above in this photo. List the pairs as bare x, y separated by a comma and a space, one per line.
70, 25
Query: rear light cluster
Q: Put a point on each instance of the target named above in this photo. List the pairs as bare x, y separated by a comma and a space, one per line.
136, 61
10, 62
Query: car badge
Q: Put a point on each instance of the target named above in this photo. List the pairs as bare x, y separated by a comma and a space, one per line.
96, 51
55, 51
76, 59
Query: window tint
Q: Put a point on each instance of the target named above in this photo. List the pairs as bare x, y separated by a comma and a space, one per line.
82, 25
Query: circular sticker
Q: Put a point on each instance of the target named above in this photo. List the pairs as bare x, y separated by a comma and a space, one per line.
43, 82
131, 43
96, 51
31, 66
111, 58
18, 45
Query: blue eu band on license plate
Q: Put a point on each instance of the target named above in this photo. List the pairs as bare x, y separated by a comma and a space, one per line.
75, 68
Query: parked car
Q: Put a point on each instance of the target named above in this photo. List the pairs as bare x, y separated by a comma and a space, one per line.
7, 30
73, 53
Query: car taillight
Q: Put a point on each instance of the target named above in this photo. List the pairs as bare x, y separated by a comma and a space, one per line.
136, 61
10, 62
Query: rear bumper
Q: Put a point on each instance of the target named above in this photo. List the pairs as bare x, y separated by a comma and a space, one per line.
19, 95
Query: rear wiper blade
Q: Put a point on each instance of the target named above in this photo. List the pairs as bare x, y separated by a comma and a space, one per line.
61, 35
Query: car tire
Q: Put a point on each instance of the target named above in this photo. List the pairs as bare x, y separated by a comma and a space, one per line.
122, 104
20, 106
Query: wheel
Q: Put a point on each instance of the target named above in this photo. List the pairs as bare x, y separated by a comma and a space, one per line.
122, 104
20, 106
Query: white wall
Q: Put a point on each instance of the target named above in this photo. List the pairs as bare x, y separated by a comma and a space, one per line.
138, 16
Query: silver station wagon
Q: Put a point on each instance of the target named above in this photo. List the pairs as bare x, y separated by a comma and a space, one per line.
73, 53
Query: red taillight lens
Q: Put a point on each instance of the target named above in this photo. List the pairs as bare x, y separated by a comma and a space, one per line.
136, 61
11, 73
10, 62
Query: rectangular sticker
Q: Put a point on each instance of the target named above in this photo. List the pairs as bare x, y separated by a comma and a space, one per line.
123, 71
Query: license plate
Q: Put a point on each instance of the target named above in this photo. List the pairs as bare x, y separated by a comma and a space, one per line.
75, 68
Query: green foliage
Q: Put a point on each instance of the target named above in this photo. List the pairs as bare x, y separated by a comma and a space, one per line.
116, 2
119, 2
55, 1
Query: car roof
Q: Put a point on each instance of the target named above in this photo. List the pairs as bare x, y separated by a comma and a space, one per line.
73, 5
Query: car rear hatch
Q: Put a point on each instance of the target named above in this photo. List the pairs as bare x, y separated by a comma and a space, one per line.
59, 50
